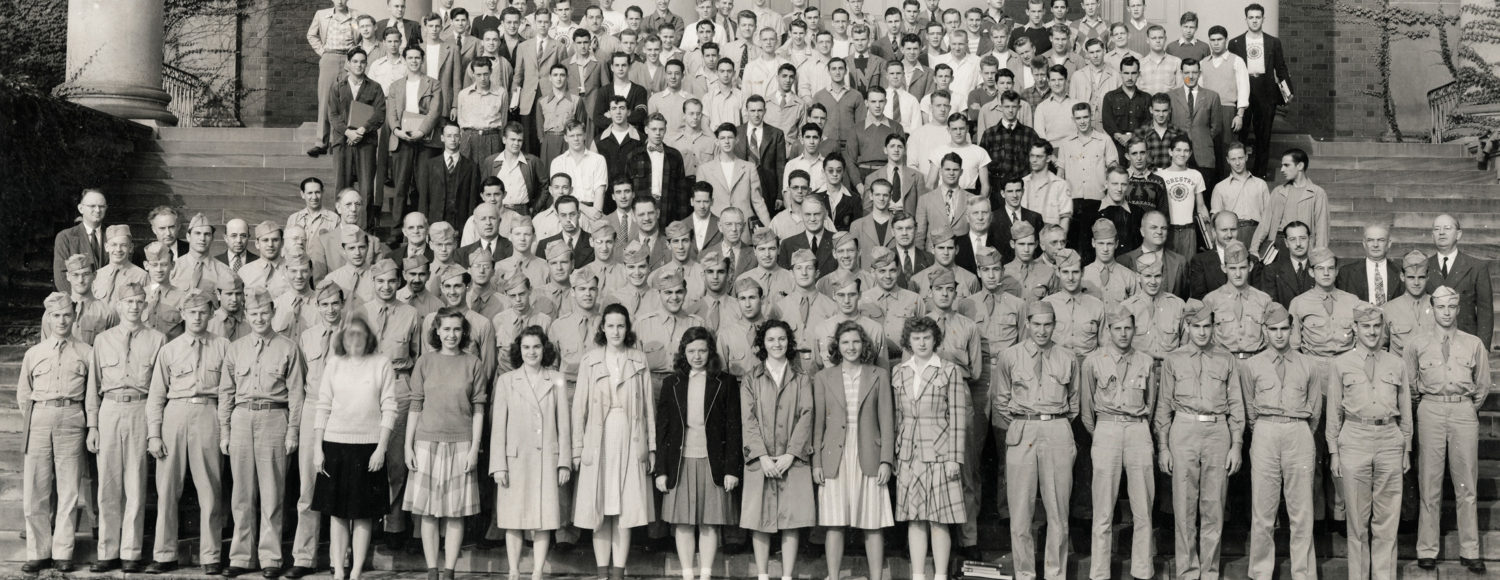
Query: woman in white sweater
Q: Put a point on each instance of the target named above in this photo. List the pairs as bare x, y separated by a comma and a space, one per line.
356, 413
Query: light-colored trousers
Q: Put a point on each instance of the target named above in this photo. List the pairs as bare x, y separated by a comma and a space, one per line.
1282, 462
1200, 452
395, 459
330, 64
1039, 460
190, 436
1123, 449
257, 458
309, 522
122, 479
54, 458
1447, 431
1370, 456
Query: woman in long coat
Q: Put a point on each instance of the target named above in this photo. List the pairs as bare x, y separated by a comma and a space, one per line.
531, 447
614, 447
932, 413
698, 439
854, 443
777, 407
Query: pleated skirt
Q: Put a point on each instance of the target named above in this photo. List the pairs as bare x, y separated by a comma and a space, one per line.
698, 499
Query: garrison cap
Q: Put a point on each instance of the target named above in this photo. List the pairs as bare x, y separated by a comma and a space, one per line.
939, 235
711, 257
481, 256
1235, 253
557, 250
635, 253
1149, 264
195, 298
842, 239
257, 297
130, 290
1368, 313
385, 266
1117, 313
59, 302
199, 221
117, 231
79, 263
744, 284
1196, 311
764, 235
1319, 256
1104, 229
1039, 307
350, 234
942, 277
669, 278
442, 232
803, 256
1021, 230
838, 279
417, 262
327, 289
158, 252
265, 228
987, 256
679, 229
1414, 262
514, 281
1068, 257
1444, 293
1276, 314
583, 277
882, 256
604, 229
230, 283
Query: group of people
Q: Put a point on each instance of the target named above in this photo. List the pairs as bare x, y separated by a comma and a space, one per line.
790, 324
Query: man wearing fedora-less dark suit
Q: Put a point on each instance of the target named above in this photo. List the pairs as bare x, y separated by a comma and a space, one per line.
86, 238
1270, 84
1468, 275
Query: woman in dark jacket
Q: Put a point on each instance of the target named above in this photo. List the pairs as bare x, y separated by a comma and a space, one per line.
699, 457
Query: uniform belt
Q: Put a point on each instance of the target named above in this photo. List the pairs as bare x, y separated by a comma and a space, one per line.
1281, 419
1121, 418
1448, 398
1244, 354
197, 400
1310, 352
587, 203
120, 397
493, 131
55, 403
1206, 418
1042, 417
261, 406
1364, 421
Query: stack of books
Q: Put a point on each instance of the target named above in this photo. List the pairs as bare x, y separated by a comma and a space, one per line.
973, 569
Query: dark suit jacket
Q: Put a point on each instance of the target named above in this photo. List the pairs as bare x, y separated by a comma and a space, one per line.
75, 240
769, 161
848, 210
912, 184
399, 253
583, 253
1275, 61
1174, 272
140, 251
1201, 124
677, 193
826, 263
635, 101
1282, 282
411, 30
1205, 274
532, 70
1470, 276
1003, 224
1354, 279
250, 256
536, 179
503, 250
721, 425
616, 152
996, 239
444, 195
712, 238
924, 260
342, 98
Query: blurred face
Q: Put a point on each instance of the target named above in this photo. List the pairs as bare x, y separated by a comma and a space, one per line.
726, 73
1370, 333
958, 130
615, 326
979, 216
617, 110
92, 208
1057, 82
813, 215
837, 70
652, 51
522, 236
1012, 194
911, 51
846, 255
299, 275
348, 208
1254, 19
1157, 40
833, 172
119, 250
1190, 74
450, 137
442, 250
714, 276
880, 197
1115, 187
1035, 13
674, 78
560, 268
775, 343
1118, 36
886, 275
805, 274
943, 78
1137, 8
567, 217
636, 273
1226, 229
355, 252
1082, 121
416, 279
847, 299
1054, 243
991, 276
681, 248
1038, 159
604, 246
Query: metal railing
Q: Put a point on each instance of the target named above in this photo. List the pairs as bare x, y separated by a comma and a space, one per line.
1442, 102
185, 89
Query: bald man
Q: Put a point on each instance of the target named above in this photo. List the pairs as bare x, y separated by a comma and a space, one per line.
237, 245
1464, 273
86, 238
1377, 278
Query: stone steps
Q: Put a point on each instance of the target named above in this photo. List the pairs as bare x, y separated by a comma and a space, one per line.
296, 160
1386, 176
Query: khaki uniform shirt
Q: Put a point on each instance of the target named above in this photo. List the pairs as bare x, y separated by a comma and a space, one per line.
574, 335
1448, 363
187, 367
1323, 322
1080, 318
261, 369
1408, 318
1199, 382
295, 312
315, 344
122, 362
894, 307
660, 332
1292, 390
1370, 390
230, 326
1238, 316
1032, 380
1117, 383
55, 369
1158, 322
1038, 279
397, 329
1121, 282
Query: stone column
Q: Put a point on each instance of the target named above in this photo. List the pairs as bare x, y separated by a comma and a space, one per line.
115, 58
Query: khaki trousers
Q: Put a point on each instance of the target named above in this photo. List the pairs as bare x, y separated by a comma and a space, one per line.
1200, 451
309, 522
1039, 460
257, 459
190, 436
972, 473
53, 461
395, 458
122, 479
1281, 462
1328, 491
1123, 449
330, 64
1447, 431
1370, 456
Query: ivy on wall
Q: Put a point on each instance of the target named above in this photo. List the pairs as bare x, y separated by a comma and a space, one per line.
1393, 22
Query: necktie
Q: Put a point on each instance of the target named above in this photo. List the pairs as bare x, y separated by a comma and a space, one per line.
744, 58
451, 162
1190, 101
625, 223
755, 144
1281, 369
1328, 302
906, 263
1445, 266
237, 262
109, 291
197, 273
1378, 292
96, 248
948, 199
803, 309
814, 244
380, 320
541, 45
728, 254
1300, 269
1445, 348
1370, 366
1104, 276
895, 104
895, 183
1038, 366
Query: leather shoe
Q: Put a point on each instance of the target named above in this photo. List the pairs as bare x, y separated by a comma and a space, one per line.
1427, 563
297, 572
1475, 566
132, 567
161, 567
271, 571
213, 569
34, 566
103, 566
316, 150
64, 566
233, 571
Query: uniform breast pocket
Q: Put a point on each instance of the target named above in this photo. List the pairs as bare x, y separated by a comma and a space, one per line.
43, 368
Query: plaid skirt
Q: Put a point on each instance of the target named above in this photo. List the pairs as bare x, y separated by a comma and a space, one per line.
697, 499
439, 487
924, 493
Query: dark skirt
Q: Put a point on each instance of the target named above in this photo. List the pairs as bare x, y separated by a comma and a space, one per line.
697, 499
350, 490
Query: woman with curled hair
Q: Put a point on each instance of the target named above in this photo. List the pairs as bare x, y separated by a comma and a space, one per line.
356, 414
776, 401
931, 415
614, 448
698, 440
443, 428
854, 442
531, 445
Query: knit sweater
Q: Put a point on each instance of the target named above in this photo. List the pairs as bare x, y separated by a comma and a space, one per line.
363, 391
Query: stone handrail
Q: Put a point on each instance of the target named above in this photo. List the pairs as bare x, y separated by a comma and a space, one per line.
1442, 101
185, 89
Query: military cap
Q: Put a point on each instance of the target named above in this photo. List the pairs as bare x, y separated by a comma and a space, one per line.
514, 281
1444, 293
257, 297
635, 253
130, 290
1414, 262
803, 256
669, 278
1319, 256
457, 273
1039, 307
839, 279
711, 256
1149, 264
763, 236
265, 228
679, 229
297, 259
939, 235
327, 289
842, 239
58, 302
417, 262
195, 298
1235, 253
1068, 257
1366, 312
1117, 313
199, 221
557, 250
158, 252
1276, 314
230, 283
1104, 229
385, 266
942, 277
1021, 230
744, 284
520, 221
350, 234
582, 277
881, 257
1196, 311
79, 263
481, 256
443, 231
604, 229
987, 256
117, 231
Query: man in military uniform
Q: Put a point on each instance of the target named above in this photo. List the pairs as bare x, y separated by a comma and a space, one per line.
1104, 278
1036, 277
716, 303
574, 332
120, 376
414, 293
267, 271
1237, 306
518, 314
1158, 314
396, 328
183, 435
606, 264
1200, 420
1369, 439
316, 346
229, 319
354, 275
775, 281
119, 245
196, 269
1283, 406
453, 289
805, 306
661, 329
51, 392
552, 298
944, 250
634, 293
891, 303
1035, 399
445, 261
1322, 328
1080, 316
90, 315
846, 289
1449, 372
260, 409
296, 309
1409, 316
163, 300
737, 334
484, 293
1117, 395
963, 346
